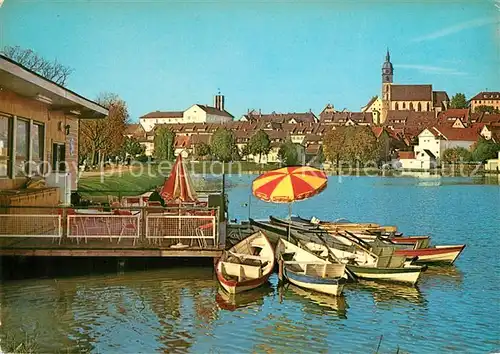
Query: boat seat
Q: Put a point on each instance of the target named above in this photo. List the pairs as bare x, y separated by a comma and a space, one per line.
244, 255
242, 272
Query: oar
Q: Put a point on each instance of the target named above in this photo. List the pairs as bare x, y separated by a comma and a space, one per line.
331, 254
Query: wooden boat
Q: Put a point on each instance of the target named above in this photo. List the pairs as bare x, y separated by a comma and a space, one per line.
351, 225
246, 265
232, 302
308, 271
435, 254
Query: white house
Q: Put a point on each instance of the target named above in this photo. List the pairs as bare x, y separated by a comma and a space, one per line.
197, 113
438, 139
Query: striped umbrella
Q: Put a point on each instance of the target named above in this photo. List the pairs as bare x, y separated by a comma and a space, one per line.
178, 186
289, 184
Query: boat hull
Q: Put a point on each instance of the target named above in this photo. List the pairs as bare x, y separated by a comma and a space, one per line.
408, 275
323, 285
234, 287
438, 254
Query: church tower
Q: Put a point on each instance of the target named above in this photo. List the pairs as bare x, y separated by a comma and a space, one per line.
387, 77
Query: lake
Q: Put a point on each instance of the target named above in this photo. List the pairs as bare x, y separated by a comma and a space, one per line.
180, 308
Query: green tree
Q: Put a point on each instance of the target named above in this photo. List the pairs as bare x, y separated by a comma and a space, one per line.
259, 144
202, 149
484, 150
164, 144
245, 151
288, 154
223, 146
132, 147
458, 101
486, 109
456, 155
360, 145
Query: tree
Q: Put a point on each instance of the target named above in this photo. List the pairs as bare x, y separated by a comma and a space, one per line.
104, 137
245, 151
333, 144
486, 109
360, 145
485, 149
131, 147
202, 149
458, 101
164, 144
456, 155
259, 144
287, 153
51, 70
223, 145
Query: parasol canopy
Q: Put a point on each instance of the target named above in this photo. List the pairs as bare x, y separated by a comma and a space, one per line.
289, 184
179, 186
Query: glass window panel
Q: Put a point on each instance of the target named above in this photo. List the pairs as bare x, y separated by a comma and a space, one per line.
37, 137
4, 146
22, 147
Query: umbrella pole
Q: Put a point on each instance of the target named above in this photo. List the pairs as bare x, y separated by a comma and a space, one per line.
289, 219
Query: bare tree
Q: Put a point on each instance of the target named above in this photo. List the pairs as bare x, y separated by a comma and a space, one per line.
52, 70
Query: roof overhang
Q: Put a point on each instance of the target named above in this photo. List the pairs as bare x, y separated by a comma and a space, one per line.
24, 82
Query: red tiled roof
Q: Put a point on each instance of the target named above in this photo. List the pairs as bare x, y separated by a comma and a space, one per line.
377, 131
490, 118
487, 95
283, 117
160, 114
182, 141
457, 134
411, 92
406, 155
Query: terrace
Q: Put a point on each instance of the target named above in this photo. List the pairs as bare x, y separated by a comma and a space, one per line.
132, 227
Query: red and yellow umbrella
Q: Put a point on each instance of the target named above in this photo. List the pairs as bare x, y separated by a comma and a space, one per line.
289, 184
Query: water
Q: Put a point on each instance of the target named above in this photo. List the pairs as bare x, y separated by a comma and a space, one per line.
453, 309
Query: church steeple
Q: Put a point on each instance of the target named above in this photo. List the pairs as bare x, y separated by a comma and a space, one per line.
387, 69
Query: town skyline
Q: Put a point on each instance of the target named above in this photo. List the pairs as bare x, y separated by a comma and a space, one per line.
292, 58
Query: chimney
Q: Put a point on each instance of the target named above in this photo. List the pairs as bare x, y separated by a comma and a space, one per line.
219, 101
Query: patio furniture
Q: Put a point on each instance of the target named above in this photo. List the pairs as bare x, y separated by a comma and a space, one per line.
127, 223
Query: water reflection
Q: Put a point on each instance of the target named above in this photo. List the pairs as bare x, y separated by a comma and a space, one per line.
316, 302
445, 275
232, 302
390, 293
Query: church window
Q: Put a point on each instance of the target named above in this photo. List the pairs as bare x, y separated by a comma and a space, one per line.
428, 106
396, 106
419, 107
404, 105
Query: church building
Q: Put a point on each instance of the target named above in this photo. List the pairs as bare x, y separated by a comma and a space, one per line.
419, 98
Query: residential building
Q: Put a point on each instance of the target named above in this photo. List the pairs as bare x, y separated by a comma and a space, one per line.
485, 98
197, 113
374, 106
291, 118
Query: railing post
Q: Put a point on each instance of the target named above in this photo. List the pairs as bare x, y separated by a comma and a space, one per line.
142, 236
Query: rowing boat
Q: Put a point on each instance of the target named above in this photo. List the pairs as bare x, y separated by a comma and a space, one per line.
308, 271
246, 265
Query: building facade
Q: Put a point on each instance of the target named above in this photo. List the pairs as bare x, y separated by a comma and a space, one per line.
491, 99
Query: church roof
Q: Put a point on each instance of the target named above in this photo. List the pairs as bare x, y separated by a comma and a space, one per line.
439, 97
411, 92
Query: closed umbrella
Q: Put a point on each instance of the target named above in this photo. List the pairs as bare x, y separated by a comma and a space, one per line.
179, 186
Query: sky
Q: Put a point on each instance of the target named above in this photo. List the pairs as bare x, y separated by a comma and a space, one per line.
282, 56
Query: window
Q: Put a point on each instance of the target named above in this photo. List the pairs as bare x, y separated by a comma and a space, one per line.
396, 106
428, 107
419, 107
404, 105
37, 137
4, 146
22, 147
58, 157
411, 106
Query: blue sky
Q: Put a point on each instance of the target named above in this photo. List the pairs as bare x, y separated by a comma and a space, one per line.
285, 56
